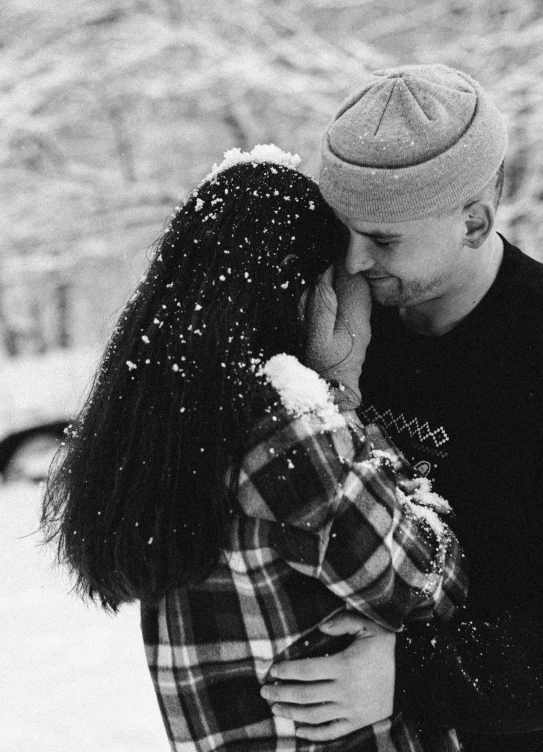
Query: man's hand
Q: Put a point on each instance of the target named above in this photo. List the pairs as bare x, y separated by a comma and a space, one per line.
336, 313
336, 695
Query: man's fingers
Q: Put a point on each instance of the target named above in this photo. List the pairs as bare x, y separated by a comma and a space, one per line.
303, 693
348, 622
313, 714
325, 733
304, 670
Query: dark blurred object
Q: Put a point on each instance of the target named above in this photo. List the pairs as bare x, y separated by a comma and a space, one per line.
26, 455
39, 394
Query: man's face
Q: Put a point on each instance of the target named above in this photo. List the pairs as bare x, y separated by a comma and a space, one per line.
412, 262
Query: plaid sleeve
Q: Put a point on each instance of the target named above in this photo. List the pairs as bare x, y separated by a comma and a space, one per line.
334, 513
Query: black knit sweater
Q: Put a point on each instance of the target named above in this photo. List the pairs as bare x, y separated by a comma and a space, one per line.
467, 410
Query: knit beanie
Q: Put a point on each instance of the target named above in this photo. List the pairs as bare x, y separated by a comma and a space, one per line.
411, 141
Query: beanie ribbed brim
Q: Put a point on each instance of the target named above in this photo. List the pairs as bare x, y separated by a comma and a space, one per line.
394, 194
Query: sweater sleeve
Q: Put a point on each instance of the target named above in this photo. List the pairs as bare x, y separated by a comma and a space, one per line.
476, 675
331, 506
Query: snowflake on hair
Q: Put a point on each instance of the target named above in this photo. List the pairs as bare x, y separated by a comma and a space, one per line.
261, 153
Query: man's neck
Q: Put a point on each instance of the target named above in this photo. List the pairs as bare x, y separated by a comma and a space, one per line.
441, 314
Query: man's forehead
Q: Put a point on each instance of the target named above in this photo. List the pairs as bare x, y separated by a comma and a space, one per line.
375, 229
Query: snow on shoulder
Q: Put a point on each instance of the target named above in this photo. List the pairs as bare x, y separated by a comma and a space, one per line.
301, 390
261, 153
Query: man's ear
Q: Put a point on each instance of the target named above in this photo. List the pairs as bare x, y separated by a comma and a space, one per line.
478, 217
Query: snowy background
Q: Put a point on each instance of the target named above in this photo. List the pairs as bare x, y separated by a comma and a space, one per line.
73, 679
110, 112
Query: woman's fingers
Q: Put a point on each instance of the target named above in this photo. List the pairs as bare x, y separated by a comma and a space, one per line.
302, 305
321, 307
320, 321
337, 311
353, 304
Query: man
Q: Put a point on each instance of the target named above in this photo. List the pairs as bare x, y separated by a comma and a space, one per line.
413, 165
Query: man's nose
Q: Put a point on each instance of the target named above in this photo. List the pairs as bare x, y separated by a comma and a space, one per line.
359, 257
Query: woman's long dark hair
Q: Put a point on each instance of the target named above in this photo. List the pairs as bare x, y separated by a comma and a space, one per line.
137, 501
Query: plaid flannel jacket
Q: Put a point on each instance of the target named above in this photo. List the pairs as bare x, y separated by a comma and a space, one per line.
320, 528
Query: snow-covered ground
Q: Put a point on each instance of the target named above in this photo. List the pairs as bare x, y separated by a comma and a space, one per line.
72, 679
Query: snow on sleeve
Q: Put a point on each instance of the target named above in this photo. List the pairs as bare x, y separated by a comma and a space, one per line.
301, 390
419, 498
260, 153
416, 494
421, 490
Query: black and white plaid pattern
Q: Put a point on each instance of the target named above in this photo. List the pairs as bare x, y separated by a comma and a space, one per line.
320, 528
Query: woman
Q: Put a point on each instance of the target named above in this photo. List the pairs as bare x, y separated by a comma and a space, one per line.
210, 475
